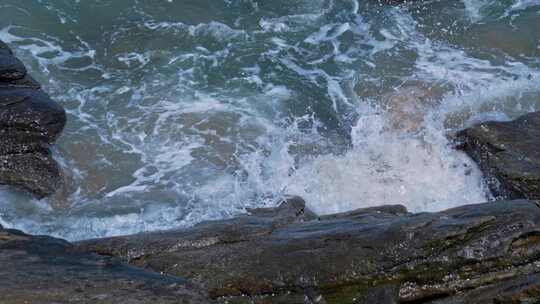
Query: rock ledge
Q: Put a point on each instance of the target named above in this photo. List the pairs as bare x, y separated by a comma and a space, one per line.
472, 254
29, 122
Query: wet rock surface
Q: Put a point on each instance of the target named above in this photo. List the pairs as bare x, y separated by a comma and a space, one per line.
509, 155
41, 269
29, 122
472, 254
11, 68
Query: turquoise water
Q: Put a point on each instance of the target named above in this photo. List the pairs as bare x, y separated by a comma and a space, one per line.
183, 111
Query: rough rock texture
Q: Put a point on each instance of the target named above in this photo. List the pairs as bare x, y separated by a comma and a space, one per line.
29, 122
40, 269
473, 254
11, 68
509, 155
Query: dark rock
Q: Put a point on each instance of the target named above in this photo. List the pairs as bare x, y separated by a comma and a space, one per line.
31, 110
388, 294
380, 211
36, 172
26, 82
4, 49
18, 141
290, 209
40, 269
356, 257
508, 154
521, 289
29, 122
11, 68
243, 228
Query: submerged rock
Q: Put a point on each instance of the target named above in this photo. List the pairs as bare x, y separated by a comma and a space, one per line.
472, 254
509, 155
407, 105
40, 269
29, 122
11, 68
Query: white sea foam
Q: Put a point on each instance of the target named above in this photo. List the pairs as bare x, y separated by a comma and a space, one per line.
474, 8
523, 4
424, 174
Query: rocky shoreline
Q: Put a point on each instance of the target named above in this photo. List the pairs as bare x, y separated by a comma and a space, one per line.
29, 122
485, 253
42, 269
286, 254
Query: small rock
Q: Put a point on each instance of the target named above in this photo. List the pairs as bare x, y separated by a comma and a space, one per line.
4, 49
11, 68
509, 155
384, 256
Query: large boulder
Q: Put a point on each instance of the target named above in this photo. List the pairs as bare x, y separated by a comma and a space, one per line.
473, 254
29, 122
509, 155
42, 270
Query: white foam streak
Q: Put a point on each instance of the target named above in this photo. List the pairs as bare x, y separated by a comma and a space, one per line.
40, 47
